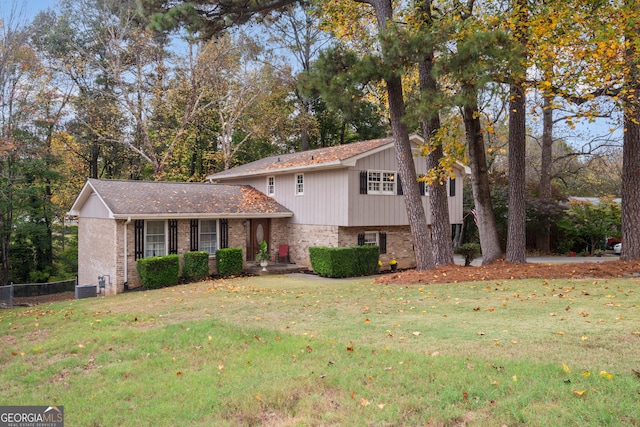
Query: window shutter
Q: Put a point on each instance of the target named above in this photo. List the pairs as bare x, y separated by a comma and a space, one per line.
452, 187
383, 242
194, 235
361, 239
173, 236
138, 239
399, 188
423, 188
224, 233
363, 182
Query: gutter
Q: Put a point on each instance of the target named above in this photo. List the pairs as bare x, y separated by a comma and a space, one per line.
169, 215
126, 271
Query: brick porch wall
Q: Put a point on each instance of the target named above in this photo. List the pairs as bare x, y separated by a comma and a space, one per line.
302, 236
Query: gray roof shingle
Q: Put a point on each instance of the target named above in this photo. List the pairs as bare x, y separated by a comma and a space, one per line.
181, 199
321, 157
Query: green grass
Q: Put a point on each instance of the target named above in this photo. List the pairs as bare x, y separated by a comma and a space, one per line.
282, 351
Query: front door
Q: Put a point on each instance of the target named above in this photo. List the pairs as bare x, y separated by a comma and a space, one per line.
259, 231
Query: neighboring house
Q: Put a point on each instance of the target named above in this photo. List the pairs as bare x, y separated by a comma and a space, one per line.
120, 222
344, 195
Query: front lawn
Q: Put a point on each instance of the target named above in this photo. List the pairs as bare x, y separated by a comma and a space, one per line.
283, 351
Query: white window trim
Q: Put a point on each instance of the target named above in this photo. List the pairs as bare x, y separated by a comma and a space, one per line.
295, 183
217, 233
377, 234
381, 182
166, 237
271, 188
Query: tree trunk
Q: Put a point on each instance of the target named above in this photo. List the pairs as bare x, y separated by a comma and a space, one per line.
517, 220
631, 149
543, 238
489, 240
404, 156
438, 200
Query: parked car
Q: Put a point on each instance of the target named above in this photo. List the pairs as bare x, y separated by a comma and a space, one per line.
617, 248
611, 242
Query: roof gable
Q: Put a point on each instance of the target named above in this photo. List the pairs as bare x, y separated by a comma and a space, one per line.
148, 199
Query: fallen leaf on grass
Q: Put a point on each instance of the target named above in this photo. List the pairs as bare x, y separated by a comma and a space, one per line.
364, 402
579, 392
416, 333
560, 333
605, 374
381, 405
566, 368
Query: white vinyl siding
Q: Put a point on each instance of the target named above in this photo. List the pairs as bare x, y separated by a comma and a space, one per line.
300, 184
271, 185
155, 240
208, 238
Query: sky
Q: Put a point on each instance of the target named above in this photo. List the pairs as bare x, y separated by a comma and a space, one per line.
28, 8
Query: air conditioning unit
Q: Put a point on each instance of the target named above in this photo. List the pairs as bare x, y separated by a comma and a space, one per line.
85, 291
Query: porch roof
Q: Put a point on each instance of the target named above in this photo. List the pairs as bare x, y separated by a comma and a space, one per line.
149, 199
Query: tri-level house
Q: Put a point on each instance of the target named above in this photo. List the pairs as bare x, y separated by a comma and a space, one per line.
336, 196
344, 195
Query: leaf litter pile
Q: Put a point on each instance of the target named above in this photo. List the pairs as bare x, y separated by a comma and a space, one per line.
502, 270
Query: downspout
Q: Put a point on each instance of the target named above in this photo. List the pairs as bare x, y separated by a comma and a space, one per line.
126, 273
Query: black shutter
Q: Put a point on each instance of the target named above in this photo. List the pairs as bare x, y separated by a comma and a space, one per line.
383, 242
423, 188
363, 182
193, 234
138, 239
399, 189
224, 233
361, 239
452, 187
173, 236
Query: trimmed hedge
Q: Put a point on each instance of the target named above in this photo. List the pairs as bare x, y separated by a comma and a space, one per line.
196, 265
159, 271
346, 261
229, 261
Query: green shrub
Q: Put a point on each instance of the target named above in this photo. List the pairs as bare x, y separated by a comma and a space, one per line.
156, 272
229, 261
365, 260
347, 261
196, 265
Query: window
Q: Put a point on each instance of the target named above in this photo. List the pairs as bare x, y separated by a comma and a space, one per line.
208, 238
299, 184
371, 238
271, 185
155, 243
381, 182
